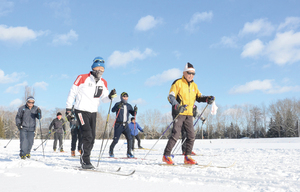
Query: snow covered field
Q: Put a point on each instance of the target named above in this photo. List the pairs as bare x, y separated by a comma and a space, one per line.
261, 165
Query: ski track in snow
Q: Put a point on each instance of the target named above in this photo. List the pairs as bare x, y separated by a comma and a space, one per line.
261, 165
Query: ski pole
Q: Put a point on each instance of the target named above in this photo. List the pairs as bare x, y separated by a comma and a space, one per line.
13, 136
199, 117
104, 131
42, 142
41, 133
162, 135
110, 133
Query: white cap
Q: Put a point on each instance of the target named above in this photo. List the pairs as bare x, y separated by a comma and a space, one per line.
189, 67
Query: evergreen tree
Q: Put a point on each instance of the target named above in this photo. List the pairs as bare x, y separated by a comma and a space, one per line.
278, 124
272, 132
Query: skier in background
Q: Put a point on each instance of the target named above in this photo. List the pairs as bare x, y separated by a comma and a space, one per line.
182, 96
87, 91
123, 109
134, 127
26, 123
59, 129
76, 135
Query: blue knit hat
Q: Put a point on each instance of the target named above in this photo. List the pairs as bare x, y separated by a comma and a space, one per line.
98, 62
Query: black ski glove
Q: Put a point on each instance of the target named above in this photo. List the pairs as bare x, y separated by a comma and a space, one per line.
180, 108
39, 113
135, 108
210, 100
19, 126
69, 114
112, 94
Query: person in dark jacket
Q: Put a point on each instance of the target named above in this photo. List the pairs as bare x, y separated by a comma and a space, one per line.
122, 109
59, 130
26, 123
76, 135
134, 127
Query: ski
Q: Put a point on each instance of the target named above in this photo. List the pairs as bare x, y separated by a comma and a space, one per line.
134, 158
108, 172
188, 165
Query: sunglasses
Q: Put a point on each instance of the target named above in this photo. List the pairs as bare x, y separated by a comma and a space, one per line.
99, 60
124, 96
30, 102
190, 73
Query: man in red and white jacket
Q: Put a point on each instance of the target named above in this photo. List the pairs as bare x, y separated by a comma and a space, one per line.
87, 91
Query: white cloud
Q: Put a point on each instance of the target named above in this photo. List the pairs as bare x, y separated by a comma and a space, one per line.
65, 39
230, 42
43, 85
6, 7
10, 78
259, 26
253, 48
18, 35
117, 58
196, 19
148, 22
16, 88
166, 76
177, 54
285, 48
61, 10
267, 86
139, 101
291, 23
15, 103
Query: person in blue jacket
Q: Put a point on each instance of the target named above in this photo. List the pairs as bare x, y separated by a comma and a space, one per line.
122, 109
134, 127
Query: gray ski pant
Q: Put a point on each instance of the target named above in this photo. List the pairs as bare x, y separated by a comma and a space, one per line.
26, 141
182, 121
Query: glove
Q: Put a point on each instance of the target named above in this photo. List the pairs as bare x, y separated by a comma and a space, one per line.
68, 114
19, 127
120, 105
112, 94
180, 108
142, 130
49, 131
195, 111
210, 100
39, 112
135, 108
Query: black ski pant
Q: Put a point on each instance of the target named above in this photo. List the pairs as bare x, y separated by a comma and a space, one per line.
187, 122
121, 129
59, 137
138, 139
76, 135
87, 122
26, 142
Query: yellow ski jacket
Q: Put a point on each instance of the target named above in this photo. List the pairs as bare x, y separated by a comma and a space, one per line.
185, 94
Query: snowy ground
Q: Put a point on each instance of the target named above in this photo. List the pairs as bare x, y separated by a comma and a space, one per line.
261, 165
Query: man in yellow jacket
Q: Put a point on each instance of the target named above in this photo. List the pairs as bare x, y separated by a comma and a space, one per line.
182, 96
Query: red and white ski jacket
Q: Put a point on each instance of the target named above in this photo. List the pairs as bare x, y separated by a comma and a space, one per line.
87, 93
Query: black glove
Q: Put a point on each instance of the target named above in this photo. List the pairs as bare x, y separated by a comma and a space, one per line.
120, 105
195, 111
180, 108
135, 108
112, 94
39, 113
69, 114
142, 130
19, 126
210, 100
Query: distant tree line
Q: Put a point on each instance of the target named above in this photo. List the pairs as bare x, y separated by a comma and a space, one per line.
279, 119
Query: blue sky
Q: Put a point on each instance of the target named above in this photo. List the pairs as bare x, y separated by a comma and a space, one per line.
243, 51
